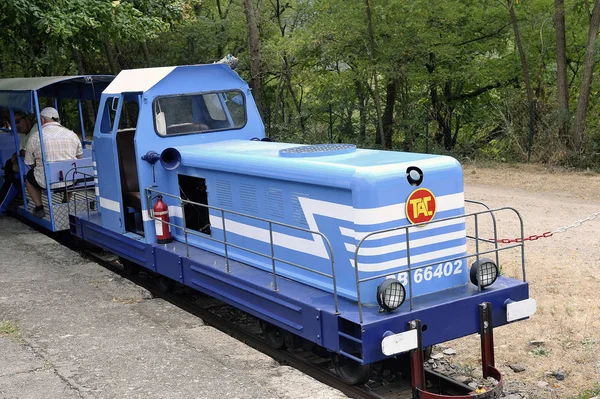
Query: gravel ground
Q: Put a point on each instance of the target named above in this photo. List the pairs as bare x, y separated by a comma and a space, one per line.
556, 352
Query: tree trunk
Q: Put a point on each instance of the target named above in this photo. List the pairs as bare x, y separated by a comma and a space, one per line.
146, 53
522, 56
388, 113
561, 72
362, 110
380, 139
255, 60
297, 102
110, 57
586, 80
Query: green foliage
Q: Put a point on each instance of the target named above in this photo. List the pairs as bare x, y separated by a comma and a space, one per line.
589, 393
449, 74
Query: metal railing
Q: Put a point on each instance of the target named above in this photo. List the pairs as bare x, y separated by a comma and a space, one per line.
226, 245
410, 269
75, 188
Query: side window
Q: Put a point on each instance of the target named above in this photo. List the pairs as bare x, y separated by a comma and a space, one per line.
214, 107
236, 104
199, 113
109, 113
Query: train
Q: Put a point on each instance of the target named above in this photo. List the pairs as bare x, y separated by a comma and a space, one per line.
365, 254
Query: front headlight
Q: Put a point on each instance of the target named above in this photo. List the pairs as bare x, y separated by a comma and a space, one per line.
390, 294
484, 271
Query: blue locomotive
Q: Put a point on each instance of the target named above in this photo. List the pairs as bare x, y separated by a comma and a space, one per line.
361, 252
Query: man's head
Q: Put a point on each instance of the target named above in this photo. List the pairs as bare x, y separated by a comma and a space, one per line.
23, 122
48, 115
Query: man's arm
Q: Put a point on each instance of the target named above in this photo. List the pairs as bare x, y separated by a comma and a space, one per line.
29, 158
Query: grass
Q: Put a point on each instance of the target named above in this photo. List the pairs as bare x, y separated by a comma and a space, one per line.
588, 342
589, 393
540, 351
9, 328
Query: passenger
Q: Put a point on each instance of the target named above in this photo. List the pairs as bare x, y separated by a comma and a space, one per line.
11, 187
25, 128
60, 144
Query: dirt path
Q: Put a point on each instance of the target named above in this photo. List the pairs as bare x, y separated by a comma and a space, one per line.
563, 272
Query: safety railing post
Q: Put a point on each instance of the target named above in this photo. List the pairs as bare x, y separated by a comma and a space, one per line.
225, 241
185, 233
479, 287
272, 257
410, 290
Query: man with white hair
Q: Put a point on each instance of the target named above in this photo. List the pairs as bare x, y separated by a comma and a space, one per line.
60, 144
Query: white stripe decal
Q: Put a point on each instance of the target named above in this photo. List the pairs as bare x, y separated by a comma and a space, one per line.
401, 246
371, 216
175, 211
358, 235
97, 191
94, 163
110, 205
279, 239
429, 256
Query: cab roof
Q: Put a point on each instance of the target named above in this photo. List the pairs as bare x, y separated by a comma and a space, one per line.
17, 93
176, 80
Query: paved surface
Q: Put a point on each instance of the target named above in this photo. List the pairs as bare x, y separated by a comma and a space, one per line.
72, 329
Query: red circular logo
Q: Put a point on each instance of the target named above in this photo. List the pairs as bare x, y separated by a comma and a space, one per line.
420, 206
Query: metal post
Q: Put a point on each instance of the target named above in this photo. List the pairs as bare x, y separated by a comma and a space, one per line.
81, 124
185, 234
273, 257
410, 292
486, 330
225, 242
479, 274
417, 371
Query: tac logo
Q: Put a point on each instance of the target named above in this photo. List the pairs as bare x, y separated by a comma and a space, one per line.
420, 206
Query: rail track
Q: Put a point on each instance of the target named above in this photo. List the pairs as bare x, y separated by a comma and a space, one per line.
387, 382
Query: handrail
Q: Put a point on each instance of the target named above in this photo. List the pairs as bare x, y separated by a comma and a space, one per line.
76, 170
411, 269
494, 228
226, 244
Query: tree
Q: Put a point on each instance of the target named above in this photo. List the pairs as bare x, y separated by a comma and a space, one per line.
561, 72
586, 80
255, 59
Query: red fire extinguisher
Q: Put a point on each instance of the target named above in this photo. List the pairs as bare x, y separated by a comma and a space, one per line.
161, 215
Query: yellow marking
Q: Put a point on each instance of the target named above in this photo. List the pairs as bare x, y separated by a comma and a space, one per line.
420, 206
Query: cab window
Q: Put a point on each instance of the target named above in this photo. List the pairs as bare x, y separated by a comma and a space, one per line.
199, 113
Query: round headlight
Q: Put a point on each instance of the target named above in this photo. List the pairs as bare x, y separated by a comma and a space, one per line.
414, 176
484, 271
390, 294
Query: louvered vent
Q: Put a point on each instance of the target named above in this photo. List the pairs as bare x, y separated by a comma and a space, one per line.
274, 202
224, 193
248, 198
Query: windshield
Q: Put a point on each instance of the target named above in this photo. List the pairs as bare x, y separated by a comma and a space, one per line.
199, 113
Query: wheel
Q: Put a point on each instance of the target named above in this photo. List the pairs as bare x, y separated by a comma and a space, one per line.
275, 337
165, 284
291, 341
129, 268
351, 372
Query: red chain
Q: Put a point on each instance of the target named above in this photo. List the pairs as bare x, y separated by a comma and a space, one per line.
530, 238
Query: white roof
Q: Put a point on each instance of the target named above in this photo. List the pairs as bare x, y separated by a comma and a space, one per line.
137, 80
